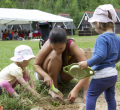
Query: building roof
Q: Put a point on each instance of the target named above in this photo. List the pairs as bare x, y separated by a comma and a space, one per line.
118, 14
90, 14
67, 25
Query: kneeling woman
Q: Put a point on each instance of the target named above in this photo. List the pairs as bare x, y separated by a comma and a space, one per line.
59, 51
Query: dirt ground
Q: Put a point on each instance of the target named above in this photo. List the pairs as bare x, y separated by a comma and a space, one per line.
76, 105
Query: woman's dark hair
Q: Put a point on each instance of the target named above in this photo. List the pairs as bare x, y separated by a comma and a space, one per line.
57, 35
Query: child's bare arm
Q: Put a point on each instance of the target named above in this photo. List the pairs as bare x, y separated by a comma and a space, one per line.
31, 83
27, 87
14, 94
29, 79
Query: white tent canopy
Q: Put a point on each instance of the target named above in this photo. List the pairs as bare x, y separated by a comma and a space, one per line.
11, 16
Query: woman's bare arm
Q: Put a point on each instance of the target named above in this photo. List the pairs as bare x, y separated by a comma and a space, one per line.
77, 52
45, 50
79, 55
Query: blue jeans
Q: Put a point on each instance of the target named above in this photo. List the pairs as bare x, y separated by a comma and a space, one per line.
97, 86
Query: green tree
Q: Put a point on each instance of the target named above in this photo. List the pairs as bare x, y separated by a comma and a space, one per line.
83, 5
41, 5
74, 12
58, 6
8, 4
17, 4
28, 4
50, 5
2, 2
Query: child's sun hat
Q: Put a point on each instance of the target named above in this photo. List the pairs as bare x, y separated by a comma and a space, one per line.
22, 52
101, 14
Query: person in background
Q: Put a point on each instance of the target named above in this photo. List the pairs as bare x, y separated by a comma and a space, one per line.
106, 54
1, 34
6, 33
15, 37
11, 34
25, 34
36, 31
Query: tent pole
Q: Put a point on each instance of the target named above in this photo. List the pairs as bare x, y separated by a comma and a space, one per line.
0, 31
30, 29
30, 26
71, 29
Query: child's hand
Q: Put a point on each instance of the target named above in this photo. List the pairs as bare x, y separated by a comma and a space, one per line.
54, 95
25, 101
36, 94
83, 64
72, 95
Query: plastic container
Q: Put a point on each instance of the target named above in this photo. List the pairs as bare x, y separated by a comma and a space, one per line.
75, 71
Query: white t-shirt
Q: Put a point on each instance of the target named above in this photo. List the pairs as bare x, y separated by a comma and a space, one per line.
10, 73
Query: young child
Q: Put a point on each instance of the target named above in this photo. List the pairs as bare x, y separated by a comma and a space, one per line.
17, 72
105, 55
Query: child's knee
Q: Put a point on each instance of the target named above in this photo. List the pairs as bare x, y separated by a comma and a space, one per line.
4, 84
7, 86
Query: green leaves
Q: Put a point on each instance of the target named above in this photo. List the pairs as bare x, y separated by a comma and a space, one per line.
55, 104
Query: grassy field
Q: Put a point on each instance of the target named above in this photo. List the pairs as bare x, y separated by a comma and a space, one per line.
7, 51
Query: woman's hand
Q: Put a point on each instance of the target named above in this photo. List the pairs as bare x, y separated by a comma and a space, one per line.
54, 95
83, 64
48, 81
72, 95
